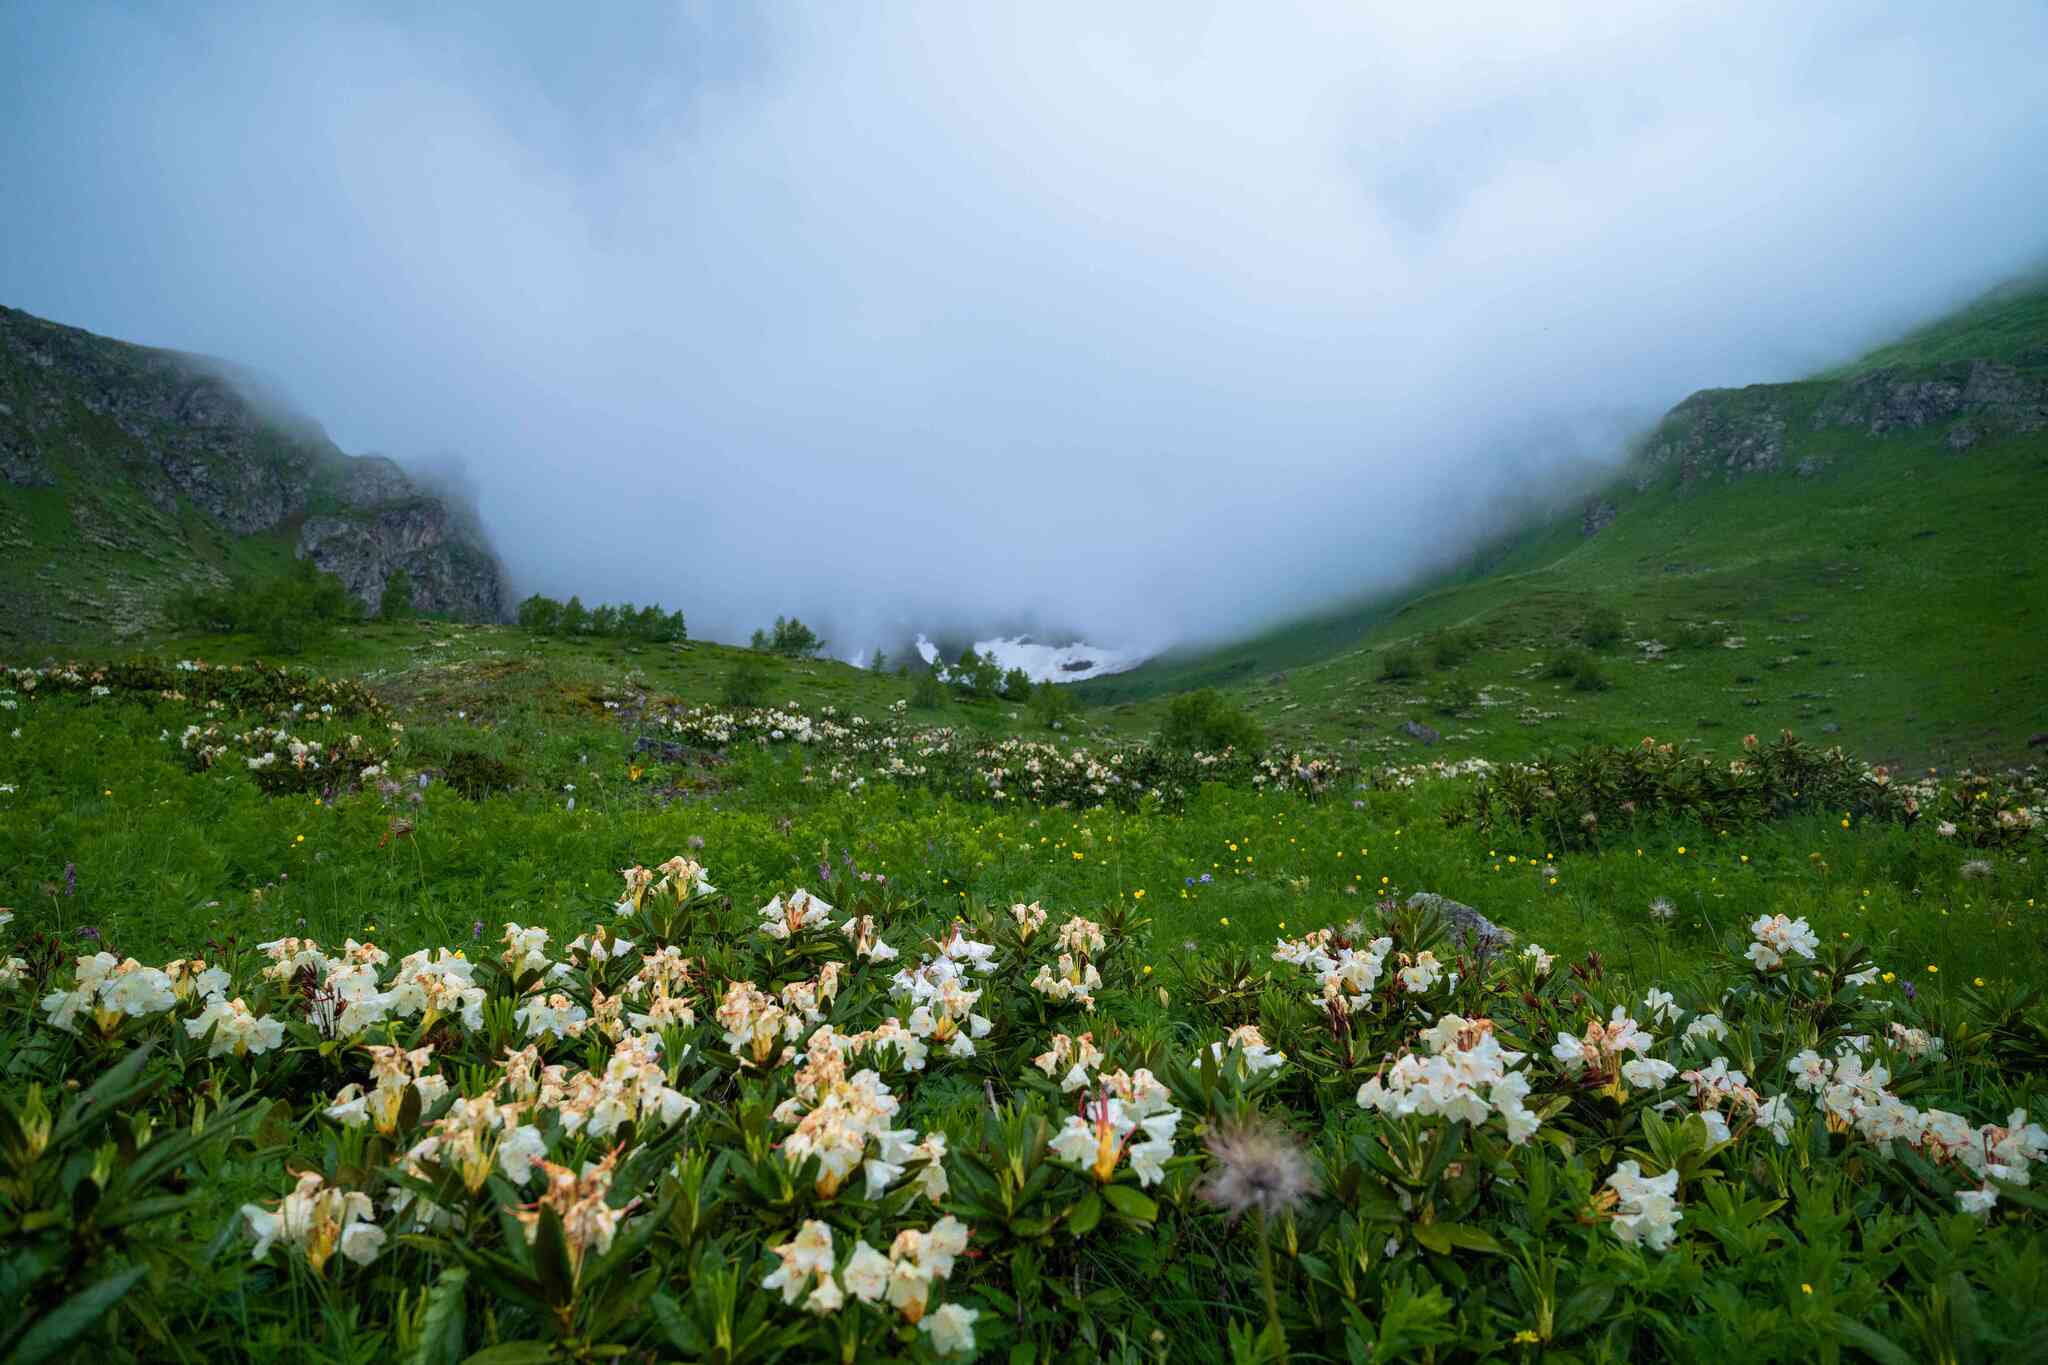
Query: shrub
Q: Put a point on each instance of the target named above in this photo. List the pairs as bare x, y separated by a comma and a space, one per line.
1690, 634
1602, 627
1454, 698
746, 685
476, 775
1400, 662
1570, 798
1017, 684
396, 603
1587, 677
285, 613
1451, 648
1203, 720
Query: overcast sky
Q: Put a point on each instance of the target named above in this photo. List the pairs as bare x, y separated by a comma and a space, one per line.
1152, 321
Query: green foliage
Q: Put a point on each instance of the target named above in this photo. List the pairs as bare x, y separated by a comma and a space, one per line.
927, 693
974, 676
1399, 662
396, 602
1017, 685
790, 638
1601, 628
1203, 720
1454, 698
94, 1186
286, 614
746, 684
1449, 648
1053, 706
1579, 668
541, 615
617, 621
1572, 800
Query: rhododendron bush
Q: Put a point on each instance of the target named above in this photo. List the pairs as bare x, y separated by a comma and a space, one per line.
874, 1130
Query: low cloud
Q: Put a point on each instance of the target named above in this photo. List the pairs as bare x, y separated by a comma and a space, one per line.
1152, 323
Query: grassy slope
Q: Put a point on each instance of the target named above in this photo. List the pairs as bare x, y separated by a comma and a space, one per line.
1887, 596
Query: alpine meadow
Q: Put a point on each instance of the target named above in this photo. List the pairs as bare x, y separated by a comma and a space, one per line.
778, 829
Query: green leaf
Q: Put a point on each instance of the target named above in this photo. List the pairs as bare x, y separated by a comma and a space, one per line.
1584, 1308
514, 1353
551, 1258
73, 1318
1131, 1203
1872, 1344
441, 1328
668, 1315
1082, 1218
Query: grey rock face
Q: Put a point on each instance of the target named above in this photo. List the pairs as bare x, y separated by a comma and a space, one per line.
1464, 920
139, 437
1995, 397
418, 536
1599, 515
1730, 432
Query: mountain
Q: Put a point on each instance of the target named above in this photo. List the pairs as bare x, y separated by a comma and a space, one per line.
1857, 556
127, 472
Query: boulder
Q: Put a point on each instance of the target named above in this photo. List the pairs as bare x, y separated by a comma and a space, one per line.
1465, 922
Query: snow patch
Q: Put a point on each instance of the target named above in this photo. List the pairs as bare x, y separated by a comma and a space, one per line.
1041, 662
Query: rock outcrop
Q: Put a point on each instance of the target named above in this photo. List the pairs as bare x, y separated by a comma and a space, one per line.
1734, 433
127, 473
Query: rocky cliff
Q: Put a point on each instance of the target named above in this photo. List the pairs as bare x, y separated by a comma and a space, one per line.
1729, 433
128, 472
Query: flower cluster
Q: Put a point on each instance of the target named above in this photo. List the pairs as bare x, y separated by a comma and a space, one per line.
1130, 1115
1465, 1076
317, 1220
1777, 938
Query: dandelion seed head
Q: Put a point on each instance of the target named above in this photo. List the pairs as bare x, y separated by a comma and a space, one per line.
1259, 1167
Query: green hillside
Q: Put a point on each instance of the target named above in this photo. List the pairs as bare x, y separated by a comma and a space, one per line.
129, 472
1856, 556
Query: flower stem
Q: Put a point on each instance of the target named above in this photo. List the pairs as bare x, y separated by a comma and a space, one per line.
1266, 1275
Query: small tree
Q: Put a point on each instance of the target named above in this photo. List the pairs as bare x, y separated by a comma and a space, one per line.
1017, 684
927, 693
575, 618
541, 615
1053, 705
791, 638
396, 603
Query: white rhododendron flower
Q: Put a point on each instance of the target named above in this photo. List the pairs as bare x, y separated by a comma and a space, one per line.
318, 1221
1128, 1117
234, 1028
1777, 938
1466, 1076
1646, 1208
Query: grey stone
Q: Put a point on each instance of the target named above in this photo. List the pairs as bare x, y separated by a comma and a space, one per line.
1464, 920
1415, 729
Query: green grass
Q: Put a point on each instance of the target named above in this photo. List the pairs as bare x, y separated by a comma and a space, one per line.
109, 841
